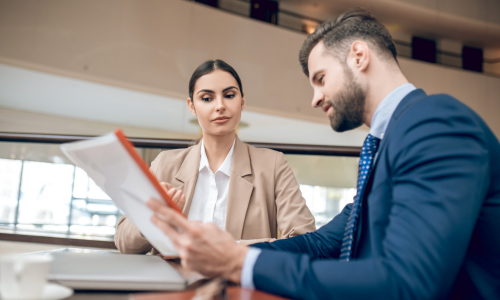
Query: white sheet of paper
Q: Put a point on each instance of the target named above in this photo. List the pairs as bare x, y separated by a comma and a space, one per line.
114, 170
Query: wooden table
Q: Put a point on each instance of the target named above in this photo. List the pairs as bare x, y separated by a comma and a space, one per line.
193, 278
234, 293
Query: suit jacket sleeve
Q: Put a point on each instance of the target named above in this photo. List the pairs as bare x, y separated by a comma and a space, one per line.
293, 216
128, 239
322, 243
439, 165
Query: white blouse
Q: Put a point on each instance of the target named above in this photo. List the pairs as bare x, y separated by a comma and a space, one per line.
209, 203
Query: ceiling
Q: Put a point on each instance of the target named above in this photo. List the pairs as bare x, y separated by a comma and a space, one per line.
473, 23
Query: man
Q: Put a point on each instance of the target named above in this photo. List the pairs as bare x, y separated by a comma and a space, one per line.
426, 218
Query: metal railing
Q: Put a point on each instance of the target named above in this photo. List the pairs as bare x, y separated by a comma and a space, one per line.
178, 143
297, 22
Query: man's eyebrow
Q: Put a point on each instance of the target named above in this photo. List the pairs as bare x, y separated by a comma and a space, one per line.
205, 91
228, 88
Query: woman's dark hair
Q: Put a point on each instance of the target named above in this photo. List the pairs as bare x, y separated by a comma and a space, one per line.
208, 67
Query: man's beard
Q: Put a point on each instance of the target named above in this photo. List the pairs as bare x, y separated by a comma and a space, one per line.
348, 105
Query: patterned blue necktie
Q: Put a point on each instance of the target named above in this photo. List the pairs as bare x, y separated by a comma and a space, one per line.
368, 151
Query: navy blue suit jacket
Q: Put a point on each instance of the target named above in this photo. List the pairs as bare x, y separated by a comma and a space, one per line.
430, 220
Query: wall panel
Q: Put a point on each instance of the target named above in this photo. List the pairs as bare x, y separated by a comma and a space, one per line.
154, 46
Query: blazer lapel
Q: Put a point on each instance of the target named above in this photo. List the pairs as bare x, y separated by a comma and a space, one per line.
240, 190
188, 175
403, 105
364, 194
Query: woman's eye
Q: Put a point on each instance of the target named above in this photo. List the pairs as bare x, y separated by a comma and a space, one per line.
206, 99
230, 96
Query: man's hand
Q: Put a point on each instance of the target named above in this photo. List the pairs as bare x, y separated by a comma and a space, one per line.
176, 195
204, 248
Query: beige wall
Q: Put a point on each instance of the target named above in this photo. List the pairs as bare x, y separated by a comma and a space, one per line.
154, 46
478, 91
15, 120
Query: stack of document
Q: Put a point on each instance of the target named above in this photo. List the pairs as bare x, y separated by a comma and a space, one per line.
101, 271
112, 162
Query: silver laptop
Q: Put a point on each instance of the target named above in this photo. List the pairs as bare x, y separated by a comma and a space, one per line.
113, 271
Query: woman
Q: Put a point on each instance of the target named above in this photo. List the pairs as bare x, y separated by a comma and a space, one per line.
250, 192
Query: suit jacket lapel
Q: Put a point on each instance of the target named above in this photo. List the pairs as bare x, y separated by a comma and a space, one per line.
364, 193
403, 105
188, 175
240, 190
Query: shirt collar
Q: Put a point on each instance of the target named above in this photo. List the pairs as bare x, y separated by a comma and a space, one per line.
386, 108
226, 165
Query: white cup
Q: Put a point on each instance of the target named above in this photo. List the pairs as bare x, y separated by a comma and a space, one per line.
23, 276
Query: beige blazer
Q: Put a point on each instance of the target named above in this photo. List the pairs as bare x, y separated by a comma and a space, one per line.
263, 195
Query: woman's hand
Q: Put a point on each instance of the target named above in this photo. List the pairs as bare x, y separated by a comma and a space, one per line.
176, 195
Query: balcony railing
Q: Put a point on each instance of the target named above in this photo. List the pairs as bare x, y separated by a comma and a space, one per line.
297, 22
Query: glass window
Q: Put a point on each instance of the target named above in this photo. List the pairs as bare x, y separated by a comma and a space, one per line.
326, 202
45, 194
327, 183
57, 196
9, 189
93, 212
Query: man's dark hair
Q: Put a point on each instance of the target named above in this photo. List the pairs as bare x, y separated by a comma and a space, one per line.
338, 34
208, 67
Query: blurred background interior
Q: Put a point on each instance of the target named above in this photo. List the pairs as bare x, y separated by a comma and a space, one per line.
78, 68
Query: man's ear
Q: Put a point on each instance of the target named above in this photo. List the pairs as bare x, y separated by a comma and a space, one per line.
359, 56
191, 106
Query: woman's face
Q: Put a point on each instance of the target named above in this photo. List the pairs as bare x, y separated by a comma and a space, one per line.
217, 102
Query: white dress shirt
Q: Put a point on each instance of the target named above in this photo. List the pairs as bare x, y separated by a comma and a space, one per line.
383, 114
209, 203
378, 126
